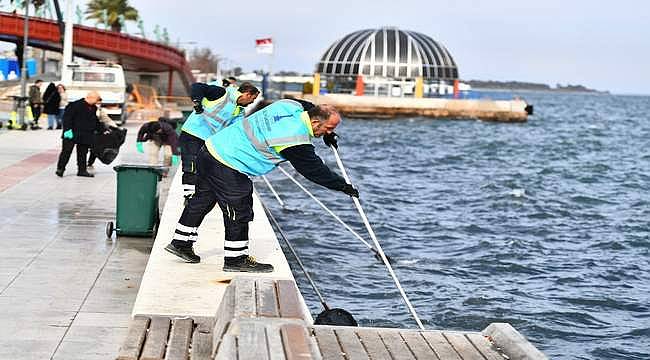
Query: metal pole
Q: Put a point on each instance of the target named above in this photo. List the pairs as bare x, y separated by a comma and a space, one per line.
277, 197
23, 69
328, 210
295, 255
170, 82
377, 246
66, 75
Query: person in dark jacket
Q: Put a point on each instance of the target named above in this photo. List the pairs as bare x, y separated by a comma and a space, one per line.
80, 123
51, 100
35, 102
160, 135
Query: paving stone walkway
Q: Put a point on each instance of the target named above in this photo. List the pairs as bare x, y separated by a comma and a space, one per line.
66, 292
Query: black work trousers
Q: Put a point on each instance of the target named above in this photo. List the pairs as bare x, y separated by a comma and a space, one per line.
219, 184
66, 151
36, 113
190, 146
91, 158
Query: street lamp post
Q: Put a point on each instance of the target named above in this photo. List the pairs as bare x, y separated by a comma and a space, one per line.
23, 70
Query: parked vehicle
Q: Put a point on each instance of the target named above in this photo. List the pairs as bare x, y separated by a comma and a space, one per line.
104, 77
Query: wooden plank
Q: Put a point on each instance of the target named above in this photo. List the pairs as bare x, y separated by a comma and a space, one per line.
465, 349
154, 346
296, 344
179, 340
136, 334
201, 343
290, 305
396, 345
224, 315
440, 345
274, 340
512, 343
373, 344
228, 348
419, 347
350, 343
484, 346
267, 300
251, 342
245, 297
327, 343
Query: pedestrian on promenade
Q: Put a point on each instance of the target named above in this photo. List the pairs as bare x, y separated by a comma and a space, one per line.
35, 102
253, 147
215, 107
80, 123
107, 125
51, 100
62, 104
159, 135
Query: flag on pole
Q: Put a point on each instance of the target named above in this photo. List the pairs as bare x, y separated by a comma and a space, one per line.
264, 46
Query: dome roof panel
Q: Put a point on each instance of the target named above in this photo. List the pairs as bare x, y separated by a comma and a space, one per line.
388, 52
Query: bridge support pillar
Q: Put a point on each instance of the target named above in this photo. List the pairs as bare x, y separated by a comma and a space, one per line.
170, 82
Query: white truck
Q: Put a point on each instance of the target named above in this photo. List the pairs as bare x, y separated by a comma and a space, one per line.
104, 77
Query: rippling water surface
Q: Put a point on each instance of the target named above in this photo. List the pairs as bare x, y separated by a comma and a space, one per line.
544, 225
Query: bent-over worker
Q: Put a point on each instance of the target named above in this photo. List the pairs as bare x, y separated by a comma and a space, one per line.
253, 147
215, 107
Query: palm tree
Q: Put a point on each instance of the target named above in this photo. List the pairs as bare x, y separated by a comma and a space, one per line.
110, 11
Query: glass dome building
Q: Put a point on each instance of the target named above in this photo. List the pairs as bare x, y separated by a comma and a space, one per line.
386, 58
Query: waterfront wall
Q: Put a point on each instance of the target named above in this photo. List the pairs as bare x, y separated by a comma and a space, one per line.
387, 107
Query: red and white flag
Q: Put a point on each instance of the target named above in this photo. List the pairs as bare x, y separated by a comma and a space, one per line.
264, 46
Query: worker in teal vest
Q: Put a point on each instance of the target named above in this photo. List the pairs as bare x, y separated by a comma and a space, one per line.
252, 147
215, 107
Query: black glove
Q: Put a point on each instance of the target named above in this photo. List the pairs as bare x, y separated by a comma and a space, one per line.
198, 108
330, 139
350, 190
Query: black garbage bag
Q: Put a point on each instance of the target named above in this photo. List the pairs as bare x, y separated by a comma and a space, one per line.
338, 317
107, 144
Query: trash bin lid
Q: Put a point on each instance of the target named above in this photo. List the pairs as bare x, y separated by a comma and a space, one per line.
157, 169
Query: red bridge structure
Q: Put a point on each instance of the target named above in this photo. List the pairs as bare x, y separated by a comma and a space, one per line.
133, 53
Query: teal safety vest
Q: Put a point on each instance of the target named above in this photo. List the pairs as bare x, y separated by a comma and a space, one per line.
215, 117
247, 146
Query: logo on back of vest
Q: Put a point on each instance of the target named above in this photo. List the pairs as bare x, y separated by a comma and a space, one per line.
277, 118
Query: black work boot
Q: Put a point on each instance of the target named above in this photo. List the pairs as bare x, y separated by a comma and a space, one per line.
186, 253
59, 172
245, 263
85, 174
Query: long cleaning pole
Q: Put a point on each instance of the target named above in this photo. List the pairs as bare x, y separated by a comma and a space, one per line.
277, 197
374, 239
295, 255
329, 211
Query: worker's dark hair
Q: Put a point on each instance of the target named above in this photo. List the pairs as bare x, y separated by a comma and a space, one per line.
232, 78
247, 87
321, 112
38, 81
155, 126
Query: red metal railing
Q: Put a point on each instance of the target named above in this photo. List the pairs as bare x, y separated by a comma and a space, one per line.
161, 57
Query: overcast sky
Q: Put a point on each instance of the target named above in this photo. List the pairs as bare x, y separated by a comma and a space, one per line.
600, 44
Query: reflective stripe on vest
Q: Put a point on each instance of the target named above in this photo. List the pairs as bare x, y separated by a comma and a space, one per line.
215, 118
248, 145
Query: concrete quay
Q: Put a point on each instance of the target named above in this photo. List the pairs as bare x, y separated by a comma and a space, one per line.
197, 311
65, 291
393, 107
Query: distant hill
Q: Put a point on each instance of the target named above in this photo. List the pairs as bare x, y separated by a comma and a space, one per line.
521, 85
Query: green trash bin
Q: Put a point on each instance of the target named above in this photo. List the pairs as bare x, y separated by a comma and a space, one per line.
137, 200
